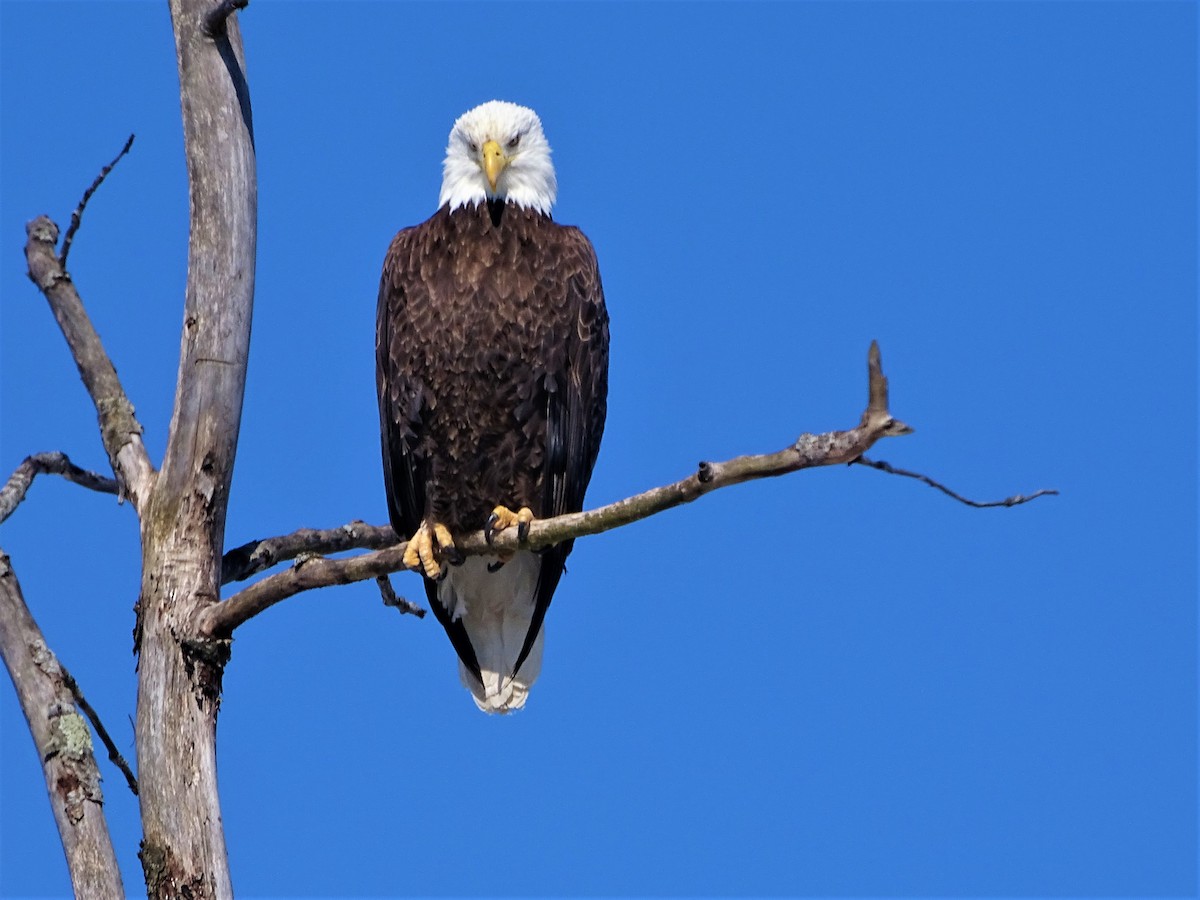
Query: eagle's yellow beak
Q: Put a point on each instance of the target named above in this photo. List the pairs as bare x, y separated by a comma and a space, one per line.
494, 162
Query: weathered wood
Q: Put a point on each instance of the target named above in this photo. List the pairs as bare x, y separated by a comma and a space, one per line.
119, 427
183, 848
63, 743
219, 141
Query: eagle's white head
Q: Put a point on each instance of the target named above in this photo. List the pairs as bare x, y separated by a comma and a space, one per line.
498, 151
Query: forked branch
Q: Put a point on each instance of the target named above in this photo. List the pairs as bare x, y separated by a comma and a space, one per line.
54, 463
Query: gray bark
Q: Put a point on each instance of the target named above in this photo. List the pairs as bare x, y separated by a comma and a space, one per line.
183, 848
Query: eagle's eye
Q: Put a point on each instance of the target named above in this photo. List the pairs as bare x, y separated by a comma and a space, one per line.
474, 146
512, 145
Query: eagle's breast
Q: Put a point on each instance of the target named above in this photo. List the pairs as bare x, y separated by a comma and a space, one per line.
483, 335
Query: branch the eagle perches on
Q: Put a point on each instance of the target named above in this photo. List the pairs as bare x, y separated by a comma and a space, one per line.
312, 571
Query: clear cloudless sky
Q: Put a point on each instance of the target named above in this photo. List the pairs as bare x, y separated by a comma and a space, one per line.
835, 683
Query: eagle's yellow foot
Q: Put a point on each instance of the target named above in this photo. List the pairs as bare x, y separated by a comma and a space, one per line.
426, 546
502, 517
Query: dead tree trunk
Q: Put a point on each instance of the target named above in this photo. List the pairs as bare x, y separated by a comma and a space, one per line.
179, 685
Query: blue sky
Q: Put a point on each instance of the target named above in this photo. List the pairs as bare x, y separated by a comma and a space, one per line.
837, 683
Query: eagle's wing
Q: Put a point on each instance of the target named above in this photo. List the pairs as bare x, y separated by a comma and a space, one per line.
576, 385
402, 403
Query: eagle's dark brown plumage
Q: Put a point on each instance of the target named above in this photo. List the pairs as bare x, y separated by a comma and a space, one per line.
492, 366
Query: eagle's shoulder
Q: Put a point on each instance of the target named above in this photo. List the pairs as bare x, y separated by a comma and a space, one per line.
574, 243
411, 244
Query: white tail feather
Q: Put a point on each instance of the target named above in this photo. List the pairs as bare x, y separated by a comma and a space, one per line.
496, 608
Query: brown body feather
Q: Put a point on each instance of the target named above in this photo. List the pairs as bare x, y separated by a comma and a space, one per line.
492, 372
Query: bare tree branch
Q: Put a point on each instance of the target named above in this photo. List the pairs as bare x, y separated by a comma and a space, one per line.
807, 452
391, 599
114, 754
77, 216
311, 572
256, 556
1015, 500
53, 463
63, 744
253, 557
119, 428
220, 619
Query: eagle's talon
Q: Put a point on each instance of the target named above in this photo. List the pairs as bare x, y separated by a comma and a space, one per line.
494, 567
412, 553
430, 541
502, 517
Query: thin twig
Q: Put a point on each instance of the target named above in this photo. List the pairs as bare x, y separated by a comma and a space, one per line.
113, 753
53, 463
1014, 500
391, 599
77, 216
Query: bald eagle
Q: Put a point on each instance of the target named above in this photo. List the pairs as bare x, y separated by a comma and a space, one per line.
492, 377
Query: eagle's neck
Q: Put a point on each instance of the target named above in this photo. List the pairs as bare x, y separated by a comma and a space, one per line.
496, 208
495, 213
